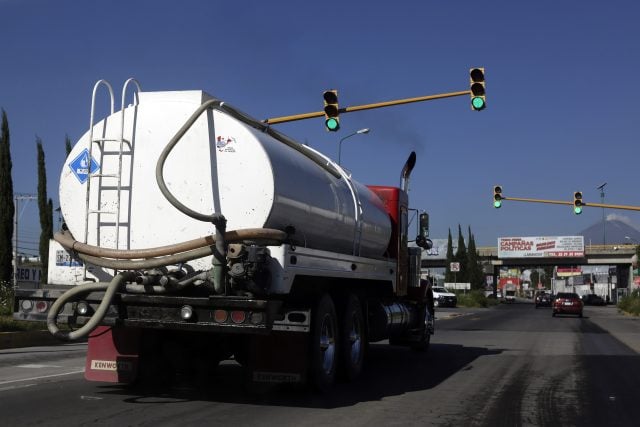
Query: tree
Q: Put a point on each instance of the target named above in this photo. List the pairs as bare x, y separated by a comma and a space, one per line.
45, 207
475, 268
461, 257
448, 275
67, 144
6, 203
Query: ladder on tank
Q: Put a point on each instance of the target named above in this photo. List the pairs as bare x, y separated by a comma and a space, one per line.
121, 141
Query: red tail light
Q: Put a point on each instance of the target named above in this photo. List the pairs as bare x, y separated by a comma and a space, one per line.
238, 316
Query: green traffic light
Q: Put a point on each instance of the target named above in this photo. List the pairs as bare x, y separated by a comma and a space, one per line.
332, 124
577, 210
497, 204
477, 103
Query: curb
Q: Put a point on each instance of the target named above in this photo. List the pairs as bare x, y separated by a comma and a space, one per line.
26, 339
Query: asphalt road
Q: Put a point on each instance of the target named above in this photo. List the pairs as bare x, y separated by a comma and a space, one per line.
511, 365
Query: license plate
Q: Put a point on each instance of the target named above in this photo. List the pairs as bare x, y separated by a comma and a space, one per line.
567, 303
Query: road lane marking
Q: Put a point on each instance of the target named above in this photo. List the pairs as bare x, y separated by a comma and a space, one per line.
41, 377
36, 366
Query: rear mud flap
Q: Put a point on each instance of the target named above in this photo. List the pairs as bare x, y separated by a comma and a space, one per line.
279, 358
112, 355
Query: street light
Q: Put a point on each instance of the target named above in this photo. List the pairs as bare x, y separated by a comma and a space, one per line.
604, 222
365, 130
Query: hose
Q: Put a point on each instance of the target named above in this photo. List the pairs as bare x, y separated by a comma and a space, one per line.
66, 239
110, 291
164, 255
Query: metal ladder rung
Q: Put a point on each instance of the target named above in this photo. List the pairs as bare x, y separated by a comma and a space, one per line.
101, 140
105, 175
100, 211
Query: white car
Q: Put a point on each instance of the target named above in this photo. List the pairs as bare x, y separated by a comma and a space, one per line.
444, 298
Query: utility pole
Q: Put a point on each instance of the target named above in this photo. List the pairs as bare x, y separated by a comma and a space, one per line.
604, 222
16, 198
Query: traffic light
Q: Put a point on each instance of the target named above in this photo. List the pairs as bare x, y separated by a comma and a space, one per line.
497, 196
477, 89
331, 111
577, 202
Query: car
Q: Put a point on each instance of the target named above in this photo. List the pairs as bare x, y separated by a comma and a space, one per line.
444, 298
567, 303
510, 295
542, 299
593, 299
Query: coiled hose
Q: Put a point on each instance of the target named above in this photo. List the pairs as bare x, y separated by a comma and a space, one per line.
110, 291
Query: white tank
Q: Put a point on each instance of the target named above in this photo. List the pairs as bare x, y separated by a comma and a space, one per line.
220, 165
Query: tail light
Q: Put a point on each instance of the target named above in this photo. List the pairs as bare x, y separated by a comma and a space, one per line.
42, 306
238, 316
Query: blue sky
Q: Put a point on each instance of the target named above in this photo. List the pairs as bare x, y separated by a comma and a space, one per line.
562, 111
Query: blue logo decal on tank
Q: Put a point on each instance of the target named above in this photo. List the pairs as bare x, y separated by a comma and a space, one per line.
81, 166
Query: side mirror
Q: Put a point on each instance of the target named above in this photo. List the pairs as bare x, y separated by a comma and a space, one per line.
423, 242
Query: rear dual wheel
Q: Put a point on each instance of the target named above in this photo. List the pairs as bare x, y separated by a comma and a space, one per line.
324, 344
352, 339
337, 346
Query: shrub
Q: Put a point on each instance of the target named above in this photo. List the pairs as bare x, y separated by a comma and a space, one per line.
630, 303
6, 298
474, 298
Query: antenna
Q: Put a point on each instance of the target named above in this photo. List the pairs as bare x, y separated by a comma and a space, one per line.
601, 186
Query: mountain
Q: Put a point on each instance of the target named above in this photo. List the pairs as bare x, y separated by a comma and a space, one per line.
617, 230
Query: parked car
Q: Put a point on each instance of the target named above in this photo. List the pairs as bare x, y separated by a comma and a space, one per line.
444, 298
542, 299
567, 303
593, 299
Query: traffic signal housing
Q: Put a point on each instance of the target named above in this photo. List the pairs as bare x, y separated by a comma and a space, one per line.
577, 202
477, 89
331, 110
497, 196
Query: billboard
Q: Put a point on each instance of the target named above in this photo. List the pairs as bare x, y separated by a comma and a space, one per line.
541, 247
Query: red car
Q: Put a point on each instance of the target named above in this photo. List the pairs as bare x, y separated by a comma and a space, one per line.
567, 303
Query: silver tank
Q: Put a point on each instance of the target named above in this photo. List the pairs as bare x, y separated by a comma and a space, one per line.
221, 165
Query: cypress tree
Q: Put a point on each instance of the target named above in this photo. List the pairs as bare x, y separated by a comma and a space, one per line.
45, 206
6, 203
448, 275
461, 257
67, 144
475, 269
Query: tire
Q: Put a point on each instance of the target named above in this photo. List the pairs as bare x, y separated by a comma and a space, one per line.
425, 338
324, 345
352, 339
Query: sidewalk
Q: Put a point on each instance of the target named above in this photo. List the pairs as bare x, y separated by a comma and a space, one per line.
623, 327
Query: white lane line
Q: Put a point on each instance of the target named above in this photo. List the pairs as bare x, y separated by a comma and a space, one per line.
36, 366
41, 377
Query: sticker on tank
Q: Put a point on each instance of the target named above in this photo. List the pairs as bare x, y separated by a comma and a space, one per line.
80, 166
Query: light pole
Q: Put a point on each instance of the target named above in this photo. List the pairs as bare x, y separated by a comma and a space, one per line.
601, 188
365, 130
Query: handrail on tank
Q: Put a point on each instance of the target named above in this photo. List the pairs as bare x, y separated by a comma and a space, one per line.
91, 122
136, 100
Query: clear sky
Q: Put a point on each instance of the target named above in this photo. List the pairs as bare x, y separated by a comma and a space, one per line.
562, 98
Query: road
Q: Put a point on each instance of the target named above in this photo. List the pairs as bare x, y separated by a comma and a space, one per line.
511, 365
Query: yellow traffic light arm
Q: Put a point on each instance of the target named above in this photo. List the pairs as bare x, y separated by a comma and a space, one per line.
584, 204
304, 116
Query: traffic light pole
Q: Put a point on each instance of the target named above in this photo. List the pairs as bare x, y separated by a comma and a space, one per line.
584, 204
295, 117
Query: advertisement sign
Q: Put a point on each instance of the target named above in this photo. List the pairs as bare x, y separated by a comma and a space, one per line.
438, 250
541, 247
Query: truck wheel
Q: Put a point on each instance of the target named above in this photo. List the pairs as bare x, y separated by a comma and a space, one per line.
425, 337
352, 339
324, 355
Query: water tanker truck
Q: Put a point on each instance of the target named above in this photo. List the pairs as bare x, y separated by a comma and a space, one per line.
194, 234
